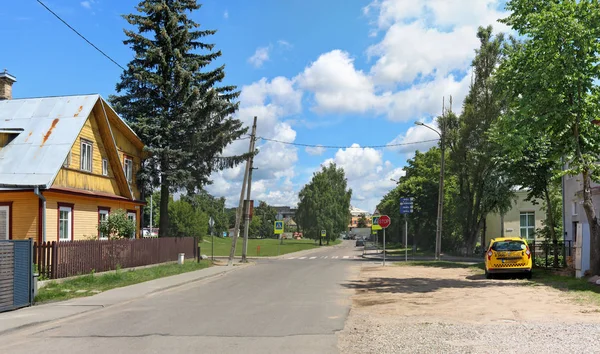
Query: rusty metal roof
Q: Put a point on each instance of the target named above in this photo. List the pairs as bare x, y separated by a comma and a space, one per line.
46, 129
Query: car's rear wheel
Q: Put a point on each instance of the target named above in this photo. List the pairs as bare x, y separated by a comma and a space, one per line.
488, 275
529, 275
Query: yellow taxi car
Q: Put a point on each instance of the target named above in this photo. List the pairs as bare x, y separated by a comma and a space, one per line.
508, 255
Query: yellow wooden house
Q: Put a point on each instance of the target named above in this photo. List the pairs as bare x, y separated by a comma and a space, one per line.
65, 164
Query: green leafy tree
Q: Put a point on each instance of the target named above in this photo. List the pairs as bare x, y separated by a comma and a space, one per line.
325, 204
212, 207
171, 94
362, 221
554, 77
421, 182
187, 221
117, 225
266, 214
530, 160
482, 188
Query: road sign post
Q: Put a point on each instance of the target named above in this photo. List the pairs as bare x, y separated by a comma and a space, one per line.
406, 207
211, 223
384, 221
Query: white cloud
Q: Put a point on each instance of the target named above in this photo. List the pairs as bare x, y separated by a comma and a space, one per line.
425, 99
271, 102
315, 150
369, 176
87, 4
260, 56
416, 134
337, 85
410, 51
285, 44
356, 161
226, 14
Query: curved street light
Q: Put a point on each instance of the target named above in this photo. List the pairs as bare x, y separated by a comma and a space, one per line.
438, 231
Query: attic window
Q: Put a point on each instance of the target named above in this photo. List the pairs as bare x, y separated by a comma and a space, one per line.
86, 155
8, 135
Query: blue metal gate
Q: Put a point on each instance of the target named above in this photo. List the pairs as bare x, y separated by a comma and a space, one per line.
16, 277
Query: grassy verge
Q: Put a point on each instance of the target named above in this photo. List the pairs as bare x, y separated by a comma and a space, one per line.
268, 247
401, 252
91, 284
580, 289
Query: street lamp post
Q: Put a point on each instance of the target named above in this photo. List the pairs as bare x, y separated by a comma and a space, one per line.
438, 231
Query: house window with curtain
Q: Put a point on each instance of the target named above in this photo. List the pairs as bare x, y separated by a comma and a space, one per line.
86, 156
527, 221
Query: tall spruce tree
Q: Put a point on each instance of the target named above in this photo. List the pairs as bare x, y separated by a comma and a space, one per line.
174, 102
482, 187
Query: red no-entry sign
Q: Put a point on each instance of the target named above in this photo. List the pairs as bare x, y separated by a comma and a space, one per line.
384, 221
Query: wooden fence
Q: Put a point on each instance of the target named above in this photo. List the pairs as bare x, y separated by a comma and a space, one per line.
64, 259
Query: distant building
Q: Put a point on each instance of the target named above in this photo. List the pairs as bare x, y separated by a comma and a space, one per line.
286, 211
522, 220
356, 214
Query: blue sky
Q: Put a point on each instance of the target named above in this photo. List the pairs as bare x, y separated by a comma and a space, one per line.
332, 72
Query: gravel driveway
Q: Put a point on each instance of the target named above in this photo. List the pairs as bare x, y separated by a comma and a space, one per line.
410, 309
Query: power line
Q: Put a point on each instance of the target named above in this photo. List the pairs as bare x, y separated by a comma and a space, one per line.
349, 147
272, 140
81, 35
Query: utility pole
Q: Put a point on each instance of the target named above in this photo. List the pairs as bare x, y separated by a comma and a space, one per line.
247, 213
438, 234
238, 214
151, 207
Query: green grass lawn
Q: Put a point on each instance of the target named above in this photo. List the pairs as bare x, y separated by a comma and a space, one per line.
268, 247
91, 284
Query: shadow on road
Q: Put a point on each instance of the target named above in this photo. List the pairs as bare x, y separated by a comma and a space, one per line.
424, 285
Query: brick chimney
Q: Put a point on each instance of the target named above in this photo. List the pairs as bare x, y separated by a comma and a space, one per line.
6, 82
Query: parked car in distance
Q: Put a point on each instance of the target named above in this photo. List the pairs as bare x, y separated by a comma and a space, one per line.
508, 255
360, 242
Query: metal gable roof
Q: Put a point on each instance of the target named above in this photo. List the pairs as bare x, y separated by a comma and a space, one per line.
49, 127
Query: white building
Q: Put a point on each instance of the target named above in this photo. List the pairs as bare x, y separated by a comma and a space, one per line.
575, 223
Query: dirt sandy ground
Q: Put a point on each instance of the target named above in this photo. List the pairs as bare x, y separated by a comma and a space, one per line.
400, 309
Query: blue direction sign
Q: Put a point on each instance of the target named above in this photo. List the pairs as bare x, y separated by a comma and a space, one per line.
406, 205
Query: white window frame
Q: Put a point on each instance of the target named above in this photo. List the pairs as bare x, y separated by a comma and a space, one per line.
101, 218
104, 167
530, 234
133, 216
69, 221
87, 160
7, 209
574, 208
128, 168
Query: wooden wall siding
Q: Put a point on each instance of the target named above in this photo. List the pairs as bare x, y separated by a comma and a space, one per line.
85, 214
73, 177
24, 214
126, 147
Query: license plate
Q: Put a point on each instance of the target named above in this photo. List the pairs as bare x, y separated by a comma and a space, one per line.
509, 260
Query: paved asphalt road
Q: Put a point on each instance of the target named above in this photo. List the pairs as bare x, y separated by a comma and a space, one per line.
275, 306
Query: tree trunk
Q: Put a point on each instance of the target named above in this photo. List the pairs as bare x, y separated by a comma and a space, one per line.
588, 206
163, 225
551, 224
